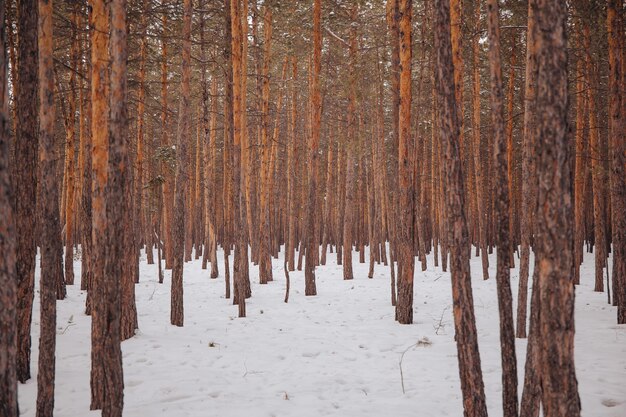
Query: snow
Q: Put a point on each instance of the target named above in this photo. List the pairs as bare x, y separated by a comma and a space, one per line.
336, 354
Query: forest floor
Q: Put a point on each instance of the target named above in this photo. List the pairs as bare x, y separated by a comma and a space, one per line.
334, 354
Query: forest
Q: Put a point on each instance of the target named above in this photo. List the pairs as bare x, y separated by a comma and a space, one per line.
313, 208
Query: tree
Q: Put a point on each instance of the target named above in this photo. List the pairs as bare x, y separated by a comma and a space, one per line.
503, 278
615, 26
554, 249
528, 168
117, 194
8, 240
182, 140
26, 140
51, 249
406, 260
470, 372
312, 247
100, 24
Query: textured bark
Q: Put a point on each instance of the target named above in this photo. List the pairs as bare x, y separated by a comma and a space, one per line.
292, 158
168, 185
406, 260
503, 236
463, 305
312, 247
100, 22
528, 170
25, 166
265, 261
70, 154
615, 27
240, 267
8, 240
351, 150
478, 166
51, 248
597, 166
182, 139
581, 165
554, 227
118, 235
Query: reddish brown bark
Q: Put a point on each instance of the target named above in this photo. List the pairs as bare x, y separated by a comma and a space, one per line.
615, 27
463, 305
554, 226
312, 247
502, 201
25, 166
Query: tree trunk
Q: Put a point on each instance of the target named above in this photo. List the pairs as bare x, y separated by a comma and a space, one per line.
528, 169
100, 22
312, 247
25, 166
503, 278
182, 140
8, 240
117, 275
615, 26
465, 324
554, 228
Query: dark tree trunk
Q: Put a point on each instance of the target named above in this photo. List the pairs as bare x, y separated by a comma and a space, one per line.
26, 139
118, 192
184, 122
554, 227
503, 238
51, 248
615, 28
464, 320
8, 240
312, 247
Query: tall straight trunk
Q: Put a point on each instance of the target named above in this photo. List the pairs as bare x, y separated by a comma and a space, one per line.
118, 193
509, 155
312, 247
478, 166
85, 166
240, 233
8, 240
168, 185
291, 170
351, 149
265, 261
70, 154
51, 247
597, 168
503, 278
463, 304
100, 22
554, 227
25, 168
227, 199
581, 164
406, 260
182, 139
528, 169
615, 27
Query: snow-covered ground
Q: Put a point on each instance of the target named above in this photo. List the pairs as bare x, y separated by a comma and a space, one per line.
334, 354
